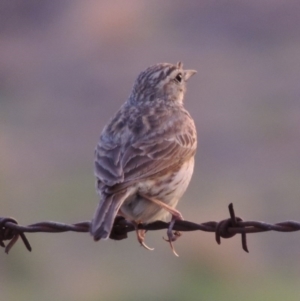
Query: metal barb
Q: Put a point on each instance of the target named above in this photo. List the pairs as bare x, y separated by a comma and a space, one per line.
9, 232
225, 228
234, 221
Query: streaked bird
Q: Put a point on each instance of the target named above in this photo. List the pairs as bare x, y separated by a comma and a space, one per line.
144, 160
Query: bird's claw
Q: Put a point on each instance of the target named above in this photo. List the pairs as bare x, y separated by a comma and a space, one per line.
145, 246
141, 237
172, 236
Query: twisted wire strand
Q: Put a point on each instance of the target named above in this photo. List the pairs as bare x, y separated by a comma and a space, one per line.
10, 230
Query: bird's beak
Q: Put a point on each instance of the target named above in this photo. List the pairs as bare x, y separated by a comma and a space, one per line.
188, 74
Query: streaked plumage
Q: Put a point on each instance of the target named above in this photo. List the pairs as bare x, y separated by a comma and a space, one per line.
146, 152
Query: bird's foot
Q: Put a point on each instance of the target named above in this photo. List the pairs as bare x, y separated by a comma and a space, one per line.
140, 233
173, 236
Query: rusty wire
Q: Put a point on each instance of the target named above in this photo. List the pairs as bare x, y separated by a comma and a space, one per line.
10, 230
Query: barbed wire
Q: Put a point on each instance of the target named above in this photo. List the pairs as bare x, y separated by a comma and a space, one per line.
10, 230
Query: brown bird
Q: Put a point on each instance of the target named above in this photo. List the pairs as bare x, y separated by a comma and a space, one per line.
144, 160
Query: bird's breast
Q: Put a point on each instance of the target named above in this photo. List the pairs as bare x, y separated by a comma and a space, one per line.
168, 188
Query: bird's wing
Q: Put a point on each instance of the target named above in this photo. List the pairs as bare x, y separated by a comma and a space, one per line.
146, 157
108, 169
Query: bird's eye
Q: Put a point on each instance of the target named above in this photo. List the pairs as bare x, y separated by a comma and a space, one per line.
179, 77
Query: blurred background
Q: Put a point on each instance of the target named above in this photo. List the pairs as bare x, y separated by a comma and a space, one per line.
66, 66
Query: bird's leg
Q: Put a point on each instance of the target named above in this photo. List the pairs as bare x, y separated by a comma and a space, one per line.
140, 233
172, 236
176, 215
141, 237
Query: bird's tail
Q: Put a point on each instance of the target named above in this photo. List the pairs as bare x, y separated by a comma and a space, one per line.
106, 212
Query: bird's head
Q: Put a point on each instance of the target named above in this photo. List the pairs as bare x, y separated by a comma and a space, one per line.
161, 82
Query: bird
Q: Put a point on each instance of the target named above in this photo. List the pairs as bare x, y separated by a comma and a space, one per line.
144, 159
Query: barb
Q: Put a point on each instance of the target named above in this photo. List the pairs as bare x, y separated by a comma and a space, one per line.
10, 230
